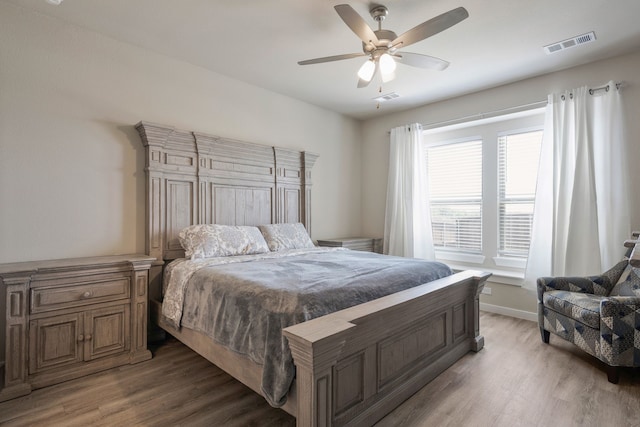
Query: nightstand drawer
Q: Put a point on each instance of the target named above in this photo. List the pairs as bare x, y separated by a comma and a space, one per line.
55, 298
354, 243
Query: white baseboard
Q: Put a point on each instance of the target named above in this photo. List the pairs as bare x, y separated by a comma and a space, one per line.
506, 311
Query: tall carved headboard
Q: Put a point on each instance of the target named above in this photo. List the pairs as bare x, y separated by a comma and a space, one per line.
193, 178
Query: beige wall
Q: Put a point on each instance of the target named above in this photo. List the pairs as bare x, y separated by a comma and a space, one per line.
625, 68
71, 163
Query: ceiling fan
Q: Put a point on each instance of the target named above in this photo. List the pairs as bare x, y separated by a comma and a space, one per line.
383, 46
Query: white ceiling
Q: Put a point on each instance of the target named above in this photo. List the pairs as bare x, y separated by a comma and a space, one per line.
260, 42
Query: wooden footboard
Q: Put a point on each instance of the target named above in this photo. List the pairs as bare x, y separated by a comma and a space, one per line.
356, 365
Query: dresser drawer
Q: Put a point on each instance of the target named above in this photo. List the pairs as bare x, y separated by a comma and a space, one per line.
54, 298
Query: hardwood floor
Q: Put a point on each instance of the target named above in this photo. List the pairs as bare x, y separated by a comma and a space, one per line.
516, 380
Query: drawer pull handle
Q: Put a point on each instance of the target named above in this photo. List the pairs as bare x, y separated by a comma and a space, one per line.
88, 338
86, 294
80, 338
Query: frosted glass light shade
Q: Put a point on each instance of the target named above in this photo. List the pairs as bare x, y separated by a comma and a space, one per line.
366, 71
387, 64
387, 67
387, 77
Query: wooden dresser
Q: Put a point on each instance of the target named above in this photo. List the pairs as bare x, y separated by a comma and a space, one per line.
356, 243
68, 318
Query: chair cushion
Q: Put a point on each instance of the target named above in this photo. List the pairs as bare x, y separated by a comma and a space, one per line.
579, 306
628, 284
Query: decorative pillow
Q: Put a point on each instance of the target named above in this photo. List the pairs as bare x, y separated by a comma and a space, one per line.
286, 236
628, 284
212, 240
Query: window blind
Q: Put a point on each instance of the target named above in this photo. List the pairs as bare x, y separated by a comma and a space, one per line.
455, 195
518, 156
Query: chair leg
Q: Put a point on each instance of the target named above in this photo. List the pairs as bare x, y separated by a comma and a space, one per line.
613, 374
545, 335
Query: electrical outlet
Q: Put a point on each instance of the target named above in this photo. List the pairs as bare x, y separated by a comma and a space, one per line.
486, 291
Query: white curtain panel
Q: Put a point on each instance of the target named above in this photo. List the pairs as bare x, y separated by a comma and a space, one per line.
581, 215
407, 225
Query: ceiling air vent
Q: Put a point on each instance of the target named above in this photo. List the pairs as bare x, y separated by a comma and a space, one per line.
386, 97
572, 42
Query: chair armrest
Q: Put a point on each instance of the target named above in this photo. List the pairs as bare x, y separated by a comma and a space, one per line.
619, 306
618, 329
586, 285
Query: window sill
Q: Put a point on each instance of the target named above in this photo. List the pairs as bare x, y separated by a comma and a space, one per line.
510, 262
504, 277
460, 257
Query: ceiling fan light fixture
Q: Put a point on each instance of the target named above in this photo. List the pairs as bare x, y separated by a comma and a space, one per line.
387, 67
387, 77
387, 64
380, 45
366, 71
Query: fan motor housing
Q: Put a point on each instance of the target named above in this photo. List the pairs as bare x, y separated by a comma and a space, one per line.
385, 37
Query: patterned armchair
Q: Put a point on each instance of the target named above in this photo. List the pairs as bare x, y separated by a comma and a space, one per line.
599, 314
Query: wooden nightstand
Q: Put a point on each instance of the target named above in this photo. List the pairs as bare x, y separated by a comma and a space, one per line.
356, 243
68, 318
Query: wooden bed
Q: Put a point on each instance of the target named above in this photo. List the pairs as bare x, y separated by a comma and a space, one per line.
353, 366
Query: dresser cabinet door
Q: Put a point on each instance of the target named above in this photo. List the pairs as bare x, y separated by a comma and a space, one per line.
107, 332
63, 340
55, 341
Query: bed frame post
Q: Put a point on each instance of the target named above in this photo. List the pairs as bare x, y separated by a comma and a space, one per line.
308, 160
478, 340
314, 375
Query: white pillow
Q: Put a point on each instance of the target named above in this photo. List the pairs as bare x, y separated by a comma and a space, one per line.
286, 236
213, 240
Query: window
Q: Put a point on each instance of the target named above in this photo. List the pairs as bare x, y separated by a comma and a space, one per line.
455, 197
517, 172
482, 180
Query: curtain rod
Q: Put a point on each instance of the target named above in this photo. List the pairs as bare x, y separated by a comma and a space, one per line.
487, 115
605, 88
595, 89
515, 109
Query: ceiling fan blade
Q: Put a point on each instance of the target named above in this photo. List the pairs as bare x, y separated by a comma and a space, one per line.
356, 23
431, 27
331, 58
421, 61
365, 83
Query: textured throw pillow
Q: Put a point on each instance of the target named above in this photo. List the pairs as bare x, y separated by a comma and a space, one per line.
286, 236
213, 240
629, 283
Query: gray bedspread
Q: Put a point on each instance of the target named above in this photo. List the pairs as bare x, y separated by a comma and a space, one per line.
245, 306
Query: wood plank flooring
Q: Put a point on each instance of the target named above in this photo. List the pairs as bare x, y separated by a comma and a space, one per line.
514, 381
